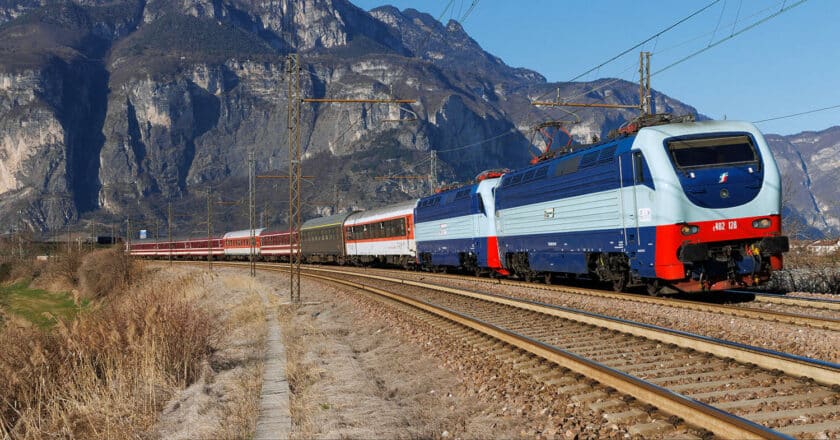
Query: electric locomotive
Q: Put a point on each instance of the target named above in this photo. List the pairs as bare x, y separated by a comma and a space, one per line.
691, 206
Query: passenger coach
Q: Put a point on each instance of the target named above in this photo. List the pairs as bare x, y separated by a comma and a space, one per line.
383, 236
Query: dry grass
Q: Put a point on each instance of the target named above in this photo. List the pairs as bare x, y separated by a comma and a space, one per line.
299, 337
104, 272
224, 402
108, 373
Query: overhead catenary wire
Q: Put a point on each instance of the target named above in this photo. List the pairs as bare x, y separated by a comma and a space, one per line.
711, 34
733, 35
807, 112
625, 52
781, 9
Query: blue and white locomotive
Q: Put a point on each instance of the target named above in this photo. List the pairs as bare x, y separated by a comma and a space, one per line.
688, 206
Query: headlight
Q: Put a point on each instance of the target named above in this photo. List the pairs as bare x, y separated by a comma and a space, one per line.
762, 223
689, 229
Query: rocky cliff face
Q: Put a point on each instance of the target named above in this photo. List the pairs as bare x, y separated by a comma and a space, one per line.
112, 108
809, 164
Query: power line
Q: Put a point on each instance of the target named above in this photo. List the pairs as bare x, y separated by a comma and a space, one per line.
733, 35
797, 114
711, 34
483, 141
469, 11
645, 41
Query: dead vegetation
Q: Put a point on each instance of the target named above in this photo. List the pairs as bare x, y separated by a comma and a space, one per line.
108, 373
808, 271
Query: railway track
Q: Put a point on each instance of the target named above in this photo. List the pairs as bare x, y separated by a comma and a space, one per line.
730, 389
798, 311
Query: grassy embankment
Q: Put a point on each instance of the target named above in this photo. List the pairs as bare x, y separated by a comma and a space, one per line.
39, 307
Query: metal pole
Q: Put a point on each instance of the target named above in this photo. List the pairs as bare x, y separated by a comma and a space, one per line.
641, 83
128, 233
252, 212
293, 123
209, 229
433, 172
647, 84
169, 228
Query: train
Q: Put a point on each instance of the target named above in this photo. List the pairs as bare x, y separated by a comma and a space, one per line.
671, 206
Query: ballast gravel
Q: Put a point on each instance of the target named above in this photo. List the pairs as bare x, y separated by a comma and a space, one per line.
788, 338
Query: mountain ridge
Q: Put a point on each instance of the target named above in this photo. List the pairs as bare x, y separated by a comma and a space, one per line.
120, 106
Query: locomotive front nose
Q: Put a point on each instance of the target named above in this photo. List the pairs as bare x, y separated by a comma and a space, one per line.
718, 171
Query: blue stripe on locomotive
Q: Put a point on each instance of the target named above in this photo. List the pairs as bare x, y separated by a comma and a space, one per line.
585, 172
454, 203
451, 204
446, 252
566, 252
591, 170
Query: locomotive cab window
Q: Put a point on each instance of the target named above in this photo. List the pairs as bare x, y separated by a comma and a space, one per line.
712, 152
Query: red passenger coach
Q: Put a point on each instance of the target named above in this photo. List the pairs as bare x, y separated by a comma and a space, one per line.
277, 245
194, 248
238, 243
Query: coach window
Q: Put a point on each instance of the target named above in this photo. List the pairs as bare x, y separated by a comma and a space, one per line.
638, 166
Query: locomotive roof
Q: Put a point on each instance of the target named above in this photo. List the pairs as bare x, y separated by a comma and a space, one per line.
320, 222
243, 233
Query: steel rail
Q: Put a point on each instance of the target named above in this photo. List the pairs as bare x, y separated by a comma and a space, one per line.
715, 420
744, 312
816, 303
797, 366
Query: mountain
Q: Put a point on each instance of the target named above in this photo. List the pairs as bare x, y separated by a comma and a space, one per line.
809, 163
112, 108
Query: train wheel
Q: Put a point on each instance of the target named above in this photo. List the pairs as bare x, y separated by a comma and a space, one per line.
620, 283
653, 287
547, 278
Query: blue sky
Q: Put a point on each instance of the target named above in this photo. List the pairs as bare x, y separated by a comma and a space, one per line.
787, 65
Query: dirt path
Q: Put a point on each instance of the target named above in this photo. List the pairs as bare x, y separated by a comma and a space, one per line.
275, 420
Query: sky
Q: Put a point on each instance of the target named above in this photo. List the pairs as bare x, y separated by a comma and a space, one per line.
788, 64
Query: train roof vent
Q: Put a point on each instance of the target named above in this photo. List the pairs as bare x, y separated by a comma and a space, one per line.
607, 154
589, 159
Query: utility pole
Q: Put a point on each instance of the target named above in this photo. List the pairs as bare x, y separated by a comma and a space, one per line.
644, 92
252, 209
644, 82
294, 101
433, 171
169, 228
209, 229
128, 233
293, 123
